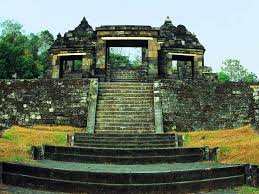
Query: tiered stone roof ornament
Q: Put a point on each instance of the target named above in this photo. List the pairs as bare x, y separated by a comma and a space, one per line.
178, 37
81, 37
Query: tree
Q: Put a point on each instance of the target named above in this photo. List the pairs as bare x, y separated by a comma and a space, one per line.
233, 70
25, 55
117, 59
222, 76
250, 77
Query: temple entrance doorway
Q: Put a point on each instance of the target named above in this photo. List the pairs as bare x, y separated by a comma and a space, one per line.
126, 60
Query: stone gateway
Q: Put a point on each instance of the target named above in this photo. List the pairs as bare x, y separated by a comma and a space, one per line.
167, 52
129, 112
170, 88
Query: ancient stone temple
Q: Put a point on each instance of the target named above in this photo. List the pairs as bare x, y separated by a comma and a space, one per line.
167, 52
130, 115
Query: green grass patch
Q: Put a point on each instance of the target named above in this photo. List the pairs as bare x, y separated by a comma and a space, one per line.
224, 150
248, 190
187, 139
10, 135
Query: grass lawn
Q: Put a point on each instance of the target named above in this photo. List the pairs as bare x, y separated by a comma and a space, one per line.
16, 142
236, 145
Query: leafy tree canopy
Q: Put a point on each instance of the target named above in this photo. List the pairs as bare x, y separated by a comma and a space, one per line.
233, 70
118, 58
21, 55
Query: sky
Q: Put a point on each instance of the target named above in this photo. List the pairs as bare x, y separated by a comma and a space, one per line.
227, 28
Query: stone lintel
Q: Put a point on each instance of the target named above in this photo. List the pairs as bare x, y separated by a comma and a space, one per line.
70, 54
127, 38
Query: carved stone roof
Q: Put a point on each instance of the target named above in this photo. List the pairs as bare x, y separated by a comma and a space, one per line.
81, 37
178, 37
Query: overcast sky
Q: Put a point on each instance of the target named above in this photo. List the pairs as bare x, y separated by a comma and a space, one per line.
227, 28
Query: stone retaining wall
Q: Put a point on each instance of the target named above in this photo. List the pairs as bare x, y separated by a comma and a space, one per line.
189, 106
27, 102
256, 105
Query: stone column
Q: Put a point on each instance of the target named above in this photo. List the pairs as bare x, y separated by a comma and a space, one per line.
168, 64
87, 65
153, 48
159, 127
55, 67
92, 103
198, 63
100, 58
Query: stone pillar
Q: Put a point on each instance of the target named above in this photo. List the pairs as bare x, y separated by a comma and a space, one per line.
55, 67
255, 120
100, 57
168, 64
92, 103
153, 47
87, 65
198, 63
159, 128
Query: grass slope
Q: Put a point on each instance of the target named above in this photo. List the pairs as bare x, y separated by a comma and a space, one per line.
236, 145
16, 142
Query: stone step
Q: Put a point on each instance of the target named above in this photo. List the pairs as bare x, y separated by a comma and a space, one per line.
121, 124
126, 160
136, 113
130, 141
125, 87
123, 145
125, 94
123, 138
122, 128
124, 151
75, 177
126, 98
123, 119
126, 80
137, 136
130, 101
124, 131
124, 84
126, 109
102, 105
124, 90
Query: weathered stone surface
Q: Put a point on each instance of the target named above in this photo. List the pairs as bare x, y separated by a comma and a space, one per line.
160, 47
189, 106
28, 102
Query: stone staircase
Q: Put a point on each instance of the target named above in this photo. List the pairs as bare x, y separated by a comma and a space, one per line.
125, 155
125, 163
125, 107
122, 75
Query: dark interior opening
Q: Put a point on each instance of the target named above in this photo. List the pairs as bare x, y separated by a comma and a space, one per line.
127, 43
70, 65
183, 66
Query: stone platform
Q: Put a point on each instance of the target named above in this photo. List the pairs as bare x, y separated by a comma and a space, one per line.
124, 168
107, 178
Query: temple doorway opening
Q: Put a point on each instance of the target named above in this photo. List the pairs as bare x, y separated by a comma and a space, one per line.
126, 59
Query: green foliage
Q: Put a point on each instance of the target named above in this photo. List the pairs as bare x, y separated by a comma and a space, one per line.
9, 135
187, 140
117, 58
222, 76
247, 189
25, 56
224, 150
250, 77
233, 70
